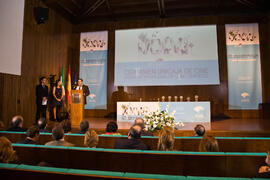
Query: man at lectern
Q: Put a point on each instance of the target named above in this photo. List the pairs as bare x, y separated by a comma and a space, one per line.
83, 87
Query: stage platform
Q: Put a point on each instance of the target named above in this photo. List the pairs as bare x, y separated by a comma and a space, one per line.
219, 127
216, 124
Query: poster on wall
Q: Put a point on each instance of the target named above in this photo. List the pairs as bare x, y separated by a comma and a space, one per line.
93, 67
244, 67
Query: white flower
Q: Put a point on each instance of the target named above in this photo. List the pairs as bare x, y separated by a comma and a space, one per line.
158, 119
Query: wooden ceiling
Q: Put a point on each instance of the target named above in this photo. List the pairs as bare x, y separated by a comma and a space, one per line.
93, 11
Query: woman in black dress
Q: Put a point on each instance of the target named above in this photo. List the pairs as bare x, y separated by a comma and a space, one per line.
58, 94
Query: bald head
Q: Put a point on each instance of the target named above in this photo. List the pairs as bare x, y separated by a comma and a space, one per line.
17, 121
199, 130
135, 132
139, 121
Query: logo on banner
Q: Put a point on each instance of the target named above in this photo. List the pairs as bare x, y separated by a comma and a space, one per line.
241, 37
199, 112
197, 109
92, 98
93, 44
245, 97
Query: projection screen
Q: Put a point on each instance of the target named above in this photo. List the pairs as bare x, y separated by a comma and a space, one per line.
184, 55
11, 23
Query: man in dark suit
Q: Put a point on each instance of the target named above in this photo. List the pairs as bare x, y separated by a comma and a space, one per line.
32, 136
133, 141
83, 87
139, 121
16, 124
41, 98
42, 124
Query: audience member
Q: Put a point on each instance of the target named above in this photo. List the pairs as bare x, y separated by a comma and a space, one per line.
66, 125
91, 139
264, 171
208, 144
140, 122
7, 154
58, 136
42, 124
199, 130
17, 124
166, 139
84, 126
32, 136
112, 128
133, 141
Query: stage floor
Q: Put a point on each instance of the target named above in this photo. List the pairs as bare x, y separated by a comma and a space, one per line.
216, 124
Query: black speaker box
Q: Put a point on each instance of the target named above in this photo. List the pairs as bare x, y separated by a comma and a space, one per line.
41, 14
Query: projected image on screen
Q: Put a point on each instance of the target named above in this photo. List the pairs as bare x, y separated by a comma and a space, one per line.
166, 56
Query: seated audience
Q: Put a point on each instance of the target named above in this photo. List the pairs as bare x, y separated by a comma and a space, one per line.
7, 154
264, 171
66, 125
32, 136
84, 126
140, 122
208, 144
133, 141
42, 124
166, 139
17, 124
199, 130
91, 139
58, 136
112, 128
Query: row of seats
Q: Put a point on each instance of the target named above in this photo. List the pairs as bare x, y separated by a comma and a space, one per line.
13, 171
215, 133
217, 164
226, 144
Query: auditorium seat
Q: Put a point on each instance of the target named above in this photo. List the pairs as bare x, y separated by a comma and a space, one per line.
30, 172
150, 162
18, 171
226, 144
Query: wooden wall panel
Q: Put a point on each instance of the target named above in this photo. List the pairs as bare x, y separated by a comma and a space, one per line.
217, 94
46, 48
265, 53
10, 97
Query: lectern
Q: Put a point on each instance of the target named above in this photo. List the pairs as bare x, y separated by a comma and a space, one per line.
76, 107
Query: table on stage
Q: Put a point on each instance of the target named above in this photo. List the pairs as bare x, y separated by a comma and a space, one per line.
189, 113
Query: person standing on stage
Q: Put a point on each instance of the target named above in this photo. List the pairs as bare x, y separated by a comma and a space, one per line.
41, 98
85, 89
58, 94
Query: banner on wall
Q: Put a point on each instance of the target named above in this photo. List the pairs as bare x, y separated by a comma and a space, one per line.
93, 67
189, 113
244, 67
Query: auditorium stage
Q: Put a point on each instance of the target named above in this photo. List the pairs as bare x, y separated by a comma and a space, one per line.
216, 124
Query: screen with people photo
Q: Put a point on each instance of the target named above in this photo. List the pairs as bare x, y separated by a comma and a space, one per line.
186, 55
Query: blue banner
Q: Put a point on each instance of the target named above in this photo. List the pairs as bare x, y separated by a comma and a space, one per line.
189, 114
93, 67
244, 68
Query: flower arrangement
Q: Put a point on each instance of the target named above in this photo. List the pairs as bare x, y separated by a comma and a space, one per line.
158, 119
